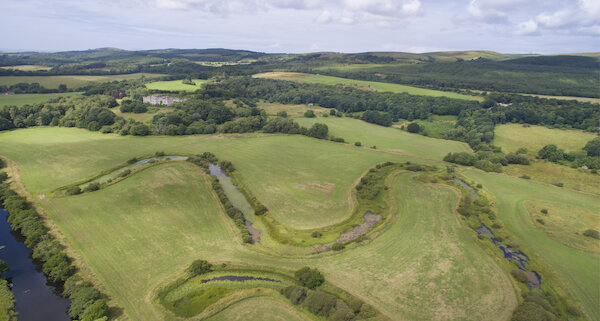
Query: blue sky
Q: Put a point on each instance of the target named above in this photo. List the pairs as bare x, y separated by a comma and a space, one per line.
508, 26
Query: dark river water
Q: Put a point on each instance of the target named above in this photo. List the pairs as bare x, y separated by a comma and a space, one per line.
35, 300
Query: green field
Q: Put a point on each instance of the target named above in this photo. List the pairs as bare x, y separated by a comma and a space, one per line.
576, 270
27, 67
142, 117
28, 99
176, 85
513, 136
387, 138
72, 81
436, 127
367, 85
140, 234
271, 309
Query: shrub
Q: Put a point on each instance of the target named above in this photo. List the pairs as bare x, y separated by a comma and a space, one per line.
572, 310
413, 128
539, 220
544, 211
3, 176
318, 130
3, 267
461, 158
357, 144
309, 114
73, 190
558, 183
320, 303
95, 311
496, 226
199, 267
310, 278
592, 233
525, 176
296, 294
132, 160
519, 275
529, 311
91, 187
2, 163
282, 113
338, 246
316, 234
81, 298
125, 173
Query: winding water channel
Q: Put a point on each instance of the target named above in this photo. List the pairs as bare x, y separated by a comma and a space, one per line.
35, 299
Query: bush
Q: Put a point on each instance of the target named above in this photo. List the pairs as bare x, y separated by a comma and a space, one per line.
525, 177
338, 246
357, 144
539, 220
310, 278
316, 234
519, 275
592, 233
91, 187
73, 190
132, 160
529, 311
572, 310
95, 311
461, 158
309, 114
2, 163
558, 183
296, 294
282, 113
537, 298
320, 303
544, 211
81, 298
413, 128
125, 173
199, 267
318, 130
140, 130
3, 267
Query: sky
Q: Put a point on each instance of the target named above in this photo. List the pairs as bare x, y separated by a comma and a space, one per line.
300, 26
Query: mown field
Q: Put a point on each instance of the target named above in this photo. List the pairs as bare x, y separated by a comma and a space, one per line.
367, 85
513, 136
176, 85
28, 99
141, 233
27, 67
387, 138
576, 270
72, 81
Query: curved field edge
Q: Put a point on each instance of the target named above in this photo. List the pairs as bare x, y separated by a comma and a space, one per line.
271, 308
574, 273
426, 256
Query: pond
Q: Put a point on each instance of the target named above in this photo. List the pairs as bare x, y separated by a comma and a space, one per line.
238, 278
237, 199
35, 299
511, 254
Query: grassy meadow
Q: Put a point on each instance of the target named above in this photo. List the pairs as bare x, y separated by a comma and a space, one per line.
575, 270
514, 136
387, 138
176, 85
27, 67
435, 127
72, 81
140, 234
28, 99
367, 85
142, 117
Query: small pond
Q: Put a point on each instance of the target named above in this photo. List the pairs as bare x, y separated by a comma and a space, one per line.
237, 199
238, 278
35, 299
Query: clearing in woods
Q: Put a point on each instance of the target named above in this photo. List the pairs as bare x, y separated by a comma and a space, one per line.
362, 84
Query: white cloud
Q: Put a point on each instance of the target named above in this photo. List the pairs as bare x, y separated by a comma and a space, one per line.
527, 27
324, 17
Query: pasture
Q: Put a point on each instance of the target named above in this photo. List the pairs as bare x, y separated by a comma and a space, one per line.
551, 173
387, 138
361, 84
140, 234
176, 85
72, 81
292, 110
29, 99
514, 136
575, 270
435, 127
142, 117
27, 67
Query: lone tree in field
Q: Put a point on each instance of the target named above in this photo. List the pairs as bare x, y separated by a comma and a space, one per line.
310, 278
413, 128
199, 267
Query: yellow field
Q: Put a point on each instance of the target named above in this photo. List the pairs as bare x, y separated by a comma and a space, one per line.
514, 136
